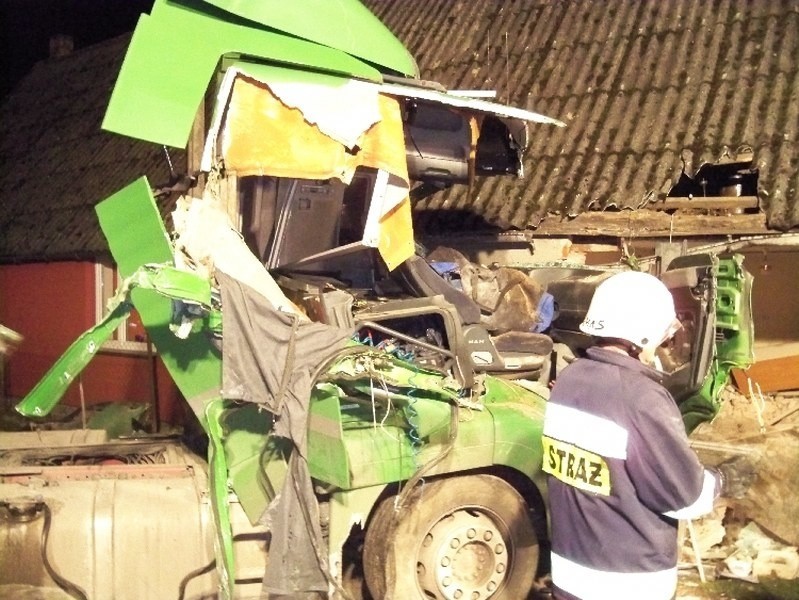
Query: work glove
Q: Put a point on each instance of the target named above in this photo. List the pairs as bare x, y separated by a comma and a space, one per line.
736, 475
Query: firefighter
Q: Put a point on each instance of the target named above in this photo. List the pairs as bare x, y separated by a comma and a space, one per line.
621, 472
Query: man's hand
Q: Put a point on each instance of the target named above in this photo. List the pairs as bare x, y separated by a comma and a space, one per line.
736, 476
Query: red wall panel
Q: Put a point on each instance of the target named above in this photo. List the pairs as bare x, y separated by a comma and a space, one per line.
51, 304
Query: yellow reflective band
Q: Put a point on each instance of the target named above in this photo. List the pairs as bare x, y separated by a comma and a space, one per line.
576, 467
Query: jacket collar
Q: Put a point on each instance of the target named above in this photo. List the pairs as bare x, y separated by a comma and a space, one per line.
625, 361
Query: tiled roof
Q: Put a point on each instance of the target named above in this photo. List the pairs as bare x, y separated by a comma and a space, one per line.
646, 88
55, 161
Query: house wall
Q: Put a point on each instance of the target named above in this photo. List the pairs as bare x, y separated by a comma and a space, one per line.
51, 304
774, 293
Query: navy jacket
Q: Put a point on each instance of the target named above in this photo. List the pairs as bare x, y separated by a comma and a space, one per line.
621, 473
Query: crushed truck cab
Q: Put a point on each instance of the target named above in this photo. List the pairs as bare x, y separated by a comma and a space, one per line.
372, 410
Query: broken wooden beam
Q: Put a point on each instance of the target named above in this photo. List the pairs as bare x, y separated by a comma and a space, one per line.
708, 203
652, 223
770, 375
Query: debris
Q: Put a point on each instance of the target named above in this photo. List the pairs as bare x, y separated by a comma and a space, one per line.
752, 555
758, 555
736, 430
780, 562
709, 532
739, 566
772, 501
757, 536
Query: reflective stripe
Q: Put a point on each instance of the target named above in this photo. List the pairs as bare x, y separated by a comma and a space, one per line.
595, 434
592, 584
702, 505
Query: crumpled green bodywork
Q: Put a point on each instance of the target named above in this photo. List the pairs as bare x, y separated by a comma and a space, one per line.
734, 347
374, 418
176, 50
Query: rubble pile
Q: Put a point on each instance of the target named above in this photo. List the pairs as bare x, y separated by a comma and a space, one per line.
758, 535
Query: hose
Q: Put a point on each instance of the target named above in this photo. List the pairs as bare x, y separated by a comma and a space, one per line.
191, 575
207, 569
70, 588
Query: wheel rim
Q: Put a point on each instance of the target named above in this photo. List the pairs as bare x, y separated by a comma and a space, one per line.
464, 556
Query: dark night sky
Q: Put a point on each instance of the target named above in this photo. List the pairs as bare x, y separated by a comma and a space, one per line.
27, 25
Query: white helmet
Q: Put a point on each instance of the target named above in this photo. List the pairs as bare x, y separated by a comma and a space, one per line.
632, 306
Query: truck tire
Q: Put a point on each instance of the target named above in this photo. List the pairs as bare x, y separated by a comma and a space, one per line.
456, 538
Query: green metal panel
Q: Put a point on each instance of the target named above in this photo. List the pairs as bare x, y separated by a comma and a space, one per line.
174, 53
257, 463
218, 479
380, 453
133, 228
518, 422
389, 435
734, 339
327, 453
52, 387
369, 451
136, 235
165, 280
734, 312
346, 25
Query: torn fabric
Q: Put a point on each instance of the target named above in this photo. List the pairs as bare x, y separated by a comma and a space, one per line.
264, 136
270, 357
342, 109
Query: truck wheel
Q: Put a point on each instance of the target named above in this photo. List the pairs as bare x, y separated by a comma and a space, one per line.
457, 538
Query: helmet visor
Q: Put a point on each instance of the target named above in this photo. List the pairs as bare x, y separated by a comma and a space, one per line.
673, 328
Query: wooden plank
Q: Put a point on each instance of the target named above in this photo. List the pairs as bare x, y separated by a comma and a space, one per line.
652, 223
712, 203
772, 375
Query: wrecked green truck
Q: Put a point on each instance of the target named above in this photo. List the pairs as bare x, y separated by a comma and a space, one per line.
372, 409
